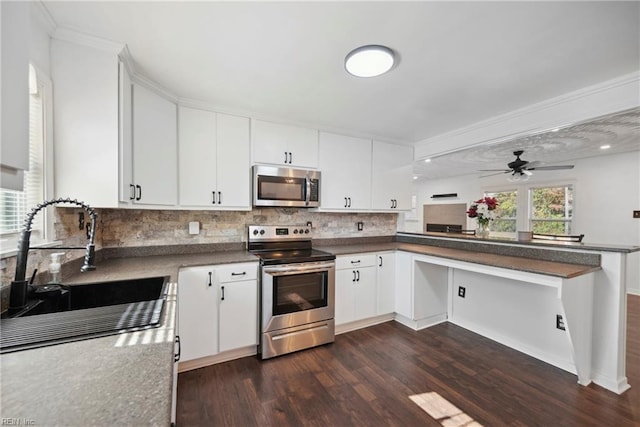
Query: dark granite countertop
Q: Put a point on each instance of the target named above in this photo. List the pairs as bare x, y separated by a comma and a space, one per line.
546, 267
586, 246
123, 379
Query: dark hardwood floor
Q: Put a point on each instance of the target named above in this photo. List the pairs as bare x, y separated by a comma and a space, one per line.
366, 376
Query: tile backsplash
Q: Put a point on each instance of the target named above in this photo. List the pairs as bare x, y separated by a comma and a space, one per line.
121, 228
142, 227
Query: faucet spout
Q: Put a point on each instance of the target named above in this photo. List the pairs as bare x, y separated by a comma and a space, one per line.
19, 285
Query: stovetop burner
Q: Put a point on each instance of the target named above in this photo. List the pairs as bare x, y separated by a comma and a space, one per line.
284, 245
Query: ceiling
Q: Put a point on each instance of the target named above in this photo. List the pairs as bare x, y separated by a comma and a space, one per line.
460, 62
619, 131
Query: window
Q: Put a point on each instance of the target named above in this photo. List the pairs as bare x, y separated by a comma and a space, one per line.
551, 209
507, 211
14, 205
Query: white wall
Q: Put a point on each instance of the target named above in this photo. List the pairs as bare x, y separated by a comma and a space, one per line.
606, 191
39, 39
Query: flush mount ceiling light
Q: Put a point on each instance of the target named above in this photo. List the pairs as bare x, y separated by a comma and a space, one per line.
369, 61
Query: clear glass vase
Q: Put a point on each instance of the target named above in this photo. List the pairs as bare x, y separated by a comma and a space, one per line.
483, 229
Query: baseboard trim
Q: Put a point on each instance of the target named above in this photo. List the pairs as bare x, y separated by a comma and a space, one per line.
226, 356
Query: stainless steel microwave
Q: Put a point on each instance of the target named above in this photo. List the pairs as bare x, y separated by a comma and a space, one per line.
287, 187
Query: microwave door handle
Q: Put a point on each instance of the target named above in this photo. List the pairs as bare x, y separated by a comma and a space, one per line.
308, 191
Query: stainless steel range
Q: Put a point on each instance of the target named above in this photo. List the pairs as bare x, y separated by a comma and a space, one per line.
297, 291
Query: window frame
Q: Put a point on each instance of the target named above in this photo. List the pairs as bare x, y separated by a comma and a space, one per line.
10, 240
569, 223
518, 208
523, 203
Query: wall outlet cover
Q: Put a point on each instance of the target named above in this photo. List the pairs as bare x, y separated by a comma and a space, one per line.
194, 227
462, 291
636, 214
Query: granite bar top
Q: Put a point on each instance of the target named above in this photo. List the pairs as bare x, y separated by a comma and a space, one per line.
549, 268
551, 244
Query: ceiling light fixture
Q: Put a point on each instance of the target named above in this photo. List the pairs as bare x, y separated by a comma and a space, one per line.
369, 61
605, 147
427, 160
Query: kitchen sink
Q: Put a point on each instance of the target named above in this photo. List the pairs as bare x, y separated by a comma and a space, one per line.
85, 311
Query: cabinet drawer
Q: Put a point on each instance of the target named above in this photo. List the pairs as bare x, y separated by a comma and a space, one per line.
355, 261
237, 272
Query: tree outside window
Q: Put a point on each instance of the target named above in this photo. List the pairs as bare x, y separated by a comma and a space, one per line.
507, 211
551, 209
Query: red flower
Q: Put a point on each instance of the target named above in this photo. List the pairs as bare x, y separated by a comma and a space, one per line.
473, 211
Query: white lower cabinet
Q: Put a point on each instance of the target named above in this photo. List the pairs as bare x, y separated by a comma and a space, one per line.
356, 296
218, 309
385, 281
238, 325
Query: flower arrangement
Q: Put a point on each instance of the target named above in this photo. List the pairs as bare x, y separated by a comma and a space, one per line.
483, 210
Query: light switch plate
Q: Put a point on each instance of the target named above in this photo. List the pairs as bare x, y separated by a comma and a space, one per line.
636, 214
194, 227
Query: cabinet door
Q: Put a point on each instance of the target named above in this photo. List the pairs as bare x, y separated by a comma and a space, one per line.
365, 293
280, 144
345, 163
345, 296
155, 166
302, 143
391, 176
386, 278
238, 302
233, 155
403, 289
14, 150
85, 123
197, 159
198, 312
125, 155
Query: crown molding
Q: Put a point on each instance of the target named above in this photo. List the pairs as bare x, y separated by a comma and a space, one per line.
607, 97
153, 86
77, 37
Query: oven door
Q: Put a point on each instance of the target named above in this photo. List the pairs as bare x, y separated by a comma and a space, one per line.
297, 294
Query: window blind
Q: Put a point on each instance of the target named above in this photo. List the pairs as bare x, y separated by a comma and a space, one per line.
14, 205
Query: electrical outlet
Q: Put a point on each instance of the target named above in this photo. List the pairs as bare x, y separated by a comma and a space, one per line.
462, 291
309, 224
360, 225
560, 322
636, 214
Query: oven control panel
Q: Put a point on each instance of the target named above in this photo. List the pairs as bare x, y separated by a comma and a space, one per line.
278, 232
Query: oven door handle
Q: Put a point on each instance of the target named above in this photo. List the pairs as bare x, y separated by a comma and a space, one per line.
287, 270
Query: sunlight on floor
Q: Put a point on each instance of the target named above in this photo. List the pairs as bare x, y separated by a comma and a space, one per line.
440, 409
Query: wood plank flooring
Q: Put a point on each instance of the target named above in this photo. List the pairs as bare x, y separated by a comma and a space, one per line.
366, 377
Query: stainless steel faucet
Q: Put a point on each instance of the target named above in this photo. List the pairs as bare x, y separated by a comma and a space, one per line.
18, 296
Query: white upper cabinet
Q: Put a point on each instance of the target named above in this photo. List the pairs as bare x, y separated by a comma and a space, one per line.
14, 150
345, 163
198, 163
391, 176
279, 144
86, 127
214, 160
234, 164
155, 165
125, 149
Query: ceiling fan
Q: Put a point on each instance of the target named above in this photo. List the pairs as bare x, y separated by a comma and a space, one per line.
522, 168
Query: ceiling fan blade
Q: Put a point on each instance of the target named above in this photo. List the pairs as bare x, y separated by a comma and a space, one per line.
493, 174
533, 164
552, 168
495, 170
